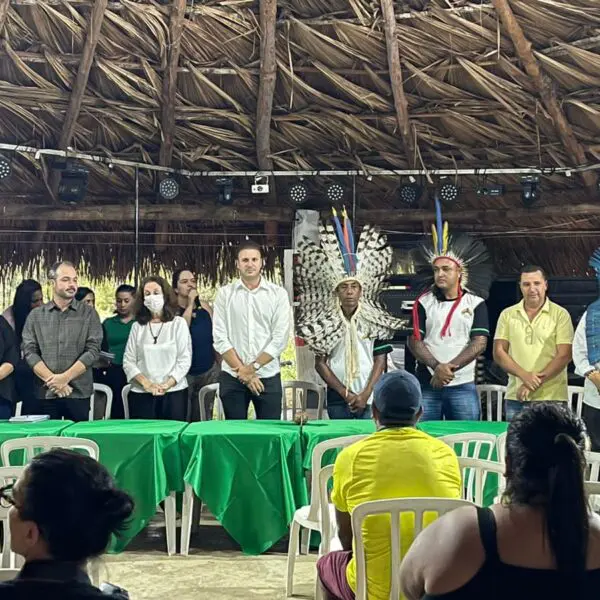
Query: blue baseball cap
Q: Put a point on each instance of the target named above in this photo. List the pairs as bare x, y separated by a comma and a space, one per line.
397, 396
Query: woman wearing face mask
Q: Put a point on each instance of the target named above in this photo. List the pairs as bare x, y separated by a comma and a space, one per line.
116, 333
158, 355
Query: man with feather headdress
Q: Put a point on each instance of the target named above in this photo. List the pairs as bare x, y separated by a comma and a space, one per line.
450, 322
340, 316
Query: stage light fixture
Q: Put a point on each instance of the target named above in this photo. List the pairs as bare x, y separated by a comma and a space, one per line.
530, 192
168, 188
298, 193
225, 186
335, 192
491, 189
5, 168
448, 192
410, 193
73, 183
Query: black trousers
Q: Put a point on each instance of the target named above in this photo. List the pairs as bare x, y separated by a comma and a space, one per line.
74, 409
591, 417
236, 398
170, 407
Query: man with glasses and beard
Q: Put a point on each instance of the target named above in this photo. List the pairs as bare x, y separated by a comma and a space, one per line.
533, 345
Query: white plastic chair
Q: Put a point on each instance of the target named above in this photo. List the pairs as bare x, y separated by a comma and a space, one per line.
501, 447
395, 508
478, 470
44, 443
8, 574
576, 398
8, 560
492, 394
593, 463
212, 388
300, 391
18, 410
100, 388
125, 398
592, 489
308, 516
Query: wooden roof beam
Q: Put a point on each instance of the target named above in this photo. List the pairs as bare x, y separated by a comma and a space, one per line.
546, 90
407, 131
169, 99
83, 73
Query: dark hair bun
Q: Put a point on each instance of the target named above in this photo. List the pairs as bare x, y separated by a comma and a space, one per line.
116, 506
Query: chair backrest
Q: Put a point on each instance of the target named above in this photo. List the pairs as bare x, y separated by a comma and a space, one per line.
101, 389
592, 489
576, 398
315, 467
493, 397
300, 391
395, 508
593, 463
501, 447
212, 388
8, 574
475, 473
125, 398
8, 559
36, 445
18, 408
327, 527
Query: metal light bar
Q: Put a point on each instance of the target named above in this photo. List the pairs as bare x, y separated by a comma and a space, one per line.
39, 152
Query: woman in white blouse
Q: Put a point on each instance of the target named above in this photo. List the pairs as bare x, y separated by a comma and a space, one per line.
158, 355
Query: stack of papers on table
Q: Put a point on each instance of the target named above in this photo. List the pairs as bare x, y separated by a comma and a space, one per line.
29, 418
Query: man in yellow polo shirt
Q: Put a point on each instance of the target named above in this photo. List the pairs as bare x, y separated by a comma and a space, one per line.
398, 461
533, 345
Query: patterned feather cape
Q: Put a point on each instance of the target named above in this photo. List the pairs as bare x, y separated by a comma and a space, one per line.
470, 253
318, 272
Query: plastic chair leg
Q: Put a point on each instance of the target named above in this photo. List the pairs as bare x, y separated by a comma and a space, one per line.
291, 557
170, 524
305, 542
186, 518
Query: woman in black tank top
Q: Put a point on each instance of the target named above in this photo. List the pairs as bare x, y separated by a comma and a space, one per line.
542, 541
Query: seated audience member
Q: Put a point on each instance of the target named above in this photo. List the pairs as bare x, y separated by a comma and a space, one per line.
542, 541
27, 297
116, 333
398, 461
158, 355
64, 510
9, 358
86, 295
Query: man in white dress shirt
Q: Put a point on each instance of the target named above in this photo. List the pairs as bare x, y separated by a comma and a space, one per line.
586, 358
251, 328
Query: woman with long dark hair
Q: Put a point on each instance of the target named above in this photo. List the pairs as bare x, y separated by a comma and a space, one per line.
116, 333
28, 296
542, 541
63, 511
158, 355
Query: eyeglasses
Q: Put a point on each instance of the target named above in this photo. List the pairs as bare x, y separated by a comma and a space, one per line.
529, 335
6, 496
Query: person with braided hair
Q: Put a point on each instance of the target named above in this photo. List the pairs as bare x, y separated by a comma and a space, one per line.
450, 322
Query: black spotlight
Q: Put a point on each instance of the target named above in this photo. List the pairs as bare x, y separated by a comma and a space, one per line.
225, 186
491, 189
410, 193
298, 193
5, 167
335, 192
168, 188
530, 191
448, 192
73, 184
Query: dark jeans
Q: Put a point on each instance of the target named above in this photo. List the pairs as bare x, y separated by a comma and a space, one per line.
514, 407
591, 416
236, 398
170, 407
452, 402
73, 409
337, 408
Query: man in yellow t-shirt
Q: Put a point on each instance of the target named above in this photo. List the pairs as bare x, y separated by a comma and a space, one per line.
533, 345
398, 461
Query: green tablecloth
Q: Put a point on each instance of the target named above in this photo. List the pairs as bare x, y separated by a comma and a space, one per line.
249, 474
11, 431
145, 459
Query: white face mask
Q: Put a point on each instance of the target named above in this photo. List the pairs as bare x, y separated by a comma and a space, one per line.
154, 303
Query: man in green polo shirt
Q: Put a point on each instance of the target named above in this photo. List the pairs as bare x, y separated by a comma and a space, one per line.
533, 345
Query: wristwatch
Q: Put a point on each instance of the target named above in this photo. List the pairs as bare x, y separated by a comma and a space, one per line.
256, 366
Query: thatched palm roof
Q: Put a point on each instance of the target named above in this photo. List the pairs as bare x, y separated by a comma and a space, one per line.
341, 85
